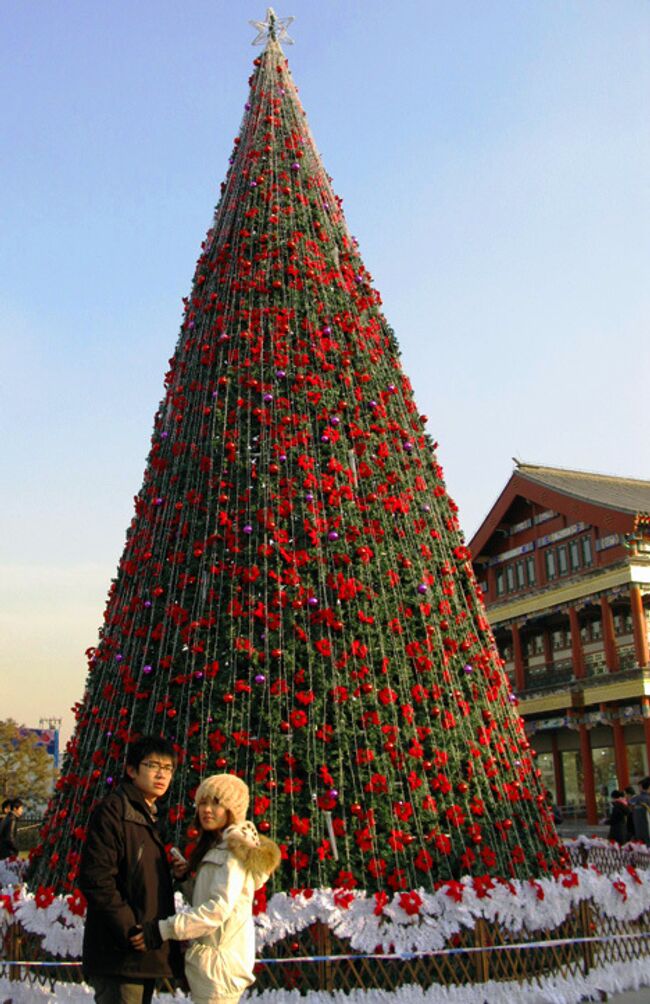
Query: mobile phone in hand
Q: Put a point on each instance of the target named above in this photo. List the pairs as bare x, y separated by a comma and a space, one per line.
177, 856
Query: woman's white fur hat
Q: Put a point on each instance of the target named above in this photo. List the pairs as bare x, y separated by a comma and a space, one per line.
230, 791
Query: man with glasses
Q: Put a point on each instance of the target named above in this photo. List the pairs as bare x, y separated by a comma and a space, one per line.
127, 881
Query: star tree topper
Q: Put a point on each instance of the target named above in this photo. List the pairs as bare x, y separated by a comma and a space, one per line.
273, 28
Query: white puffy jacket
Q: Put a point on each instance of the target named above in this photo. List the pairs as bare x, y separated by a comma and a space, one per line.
219, 962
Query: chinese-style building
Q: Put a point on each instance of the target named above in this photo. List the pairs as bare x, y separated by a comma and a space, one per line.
564, 561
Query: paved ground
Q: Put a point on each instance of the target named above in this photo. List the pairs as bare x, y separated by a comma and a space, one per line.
632, 997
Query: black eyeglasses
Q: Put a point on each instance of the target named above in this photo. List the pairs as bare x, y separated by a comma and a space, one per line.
159, 768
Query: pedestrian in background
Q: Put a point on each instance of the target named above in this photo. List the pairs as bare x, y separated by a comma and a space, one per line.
618, 817
641, 812
630, 794
8, 839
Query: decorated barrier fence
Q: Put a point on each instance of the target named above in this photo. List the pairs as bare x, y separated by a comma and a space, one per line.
468, 932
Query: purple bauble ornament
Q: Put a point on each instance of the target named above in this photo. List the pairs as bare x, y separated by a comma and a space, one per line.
335, 420
247, 529
332, 536
309, 497
280, 374
312, 601
147, 669
422, 588
268, 398
333, 793
260, 678
468, 668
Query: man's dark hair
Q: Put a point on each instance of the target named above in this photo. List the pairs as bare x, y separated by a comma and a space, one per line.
645, 783
616, 793
16, 803
147, 746
629, 790
6, 804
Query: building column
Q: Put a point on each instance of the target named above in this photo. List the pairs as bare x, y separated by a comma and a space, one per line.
588, 774
609, 636
560, 794
620, 754
518, 658
639, 625
549, 656
576, 645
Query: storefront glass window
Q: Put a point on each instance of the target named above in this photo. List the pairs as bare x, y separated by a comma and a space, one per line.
573, 783
604, 777
544, 763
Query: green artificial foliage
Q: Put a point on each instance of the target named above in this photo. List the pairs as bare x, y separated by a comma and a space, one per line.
295, 602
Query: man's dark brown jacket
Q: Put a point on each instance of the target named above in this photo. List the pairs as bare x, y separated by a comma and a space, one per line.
126, 879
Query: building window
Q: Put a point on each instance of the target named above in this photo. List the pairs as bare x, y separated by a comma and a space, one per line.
587, 558
574, 550
596, 630
500, 581
521, 575
558, 639
538, 644
510, 578
530, 569
562, 560
550, 565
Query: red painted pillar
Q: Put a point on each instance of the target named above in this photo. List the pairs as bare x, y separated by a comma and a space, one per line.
576, 645
588, 775
609, 636
620, 755
518, 656
639, 625
558, 773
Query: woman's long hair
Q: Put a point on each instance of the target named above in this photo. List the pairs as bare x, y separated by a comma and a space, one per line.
207, 840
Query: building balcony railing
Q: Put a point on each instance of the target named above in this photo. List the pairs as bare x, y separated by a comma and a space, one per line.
561, 677
549, 676
558, 674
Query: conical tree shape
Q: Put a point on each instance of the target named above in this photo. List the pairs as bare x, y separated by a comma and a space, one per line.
295, 602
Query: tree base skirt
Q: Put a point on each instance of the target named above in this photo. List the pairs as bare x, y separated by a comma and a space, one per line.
467, 934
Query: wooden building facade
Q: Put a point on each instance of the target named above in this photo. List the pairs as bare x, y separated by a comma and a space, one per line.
563, 558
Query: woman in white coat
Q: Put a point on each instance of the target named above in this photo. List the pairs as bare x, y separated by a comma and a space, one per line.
231, 860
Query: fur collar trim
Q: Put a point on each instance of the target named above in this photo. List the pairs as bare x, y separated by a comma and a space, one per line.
257, 854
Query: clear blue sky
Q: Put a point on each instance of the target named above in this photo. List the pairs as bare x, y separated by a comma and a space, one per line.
493, 159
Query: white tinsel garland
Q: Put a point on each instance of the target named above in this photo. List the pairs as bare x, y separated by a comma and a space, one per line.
415, 922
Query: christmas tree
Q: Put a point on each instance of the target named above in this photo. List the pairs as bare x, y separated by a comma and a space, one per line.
295, 602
